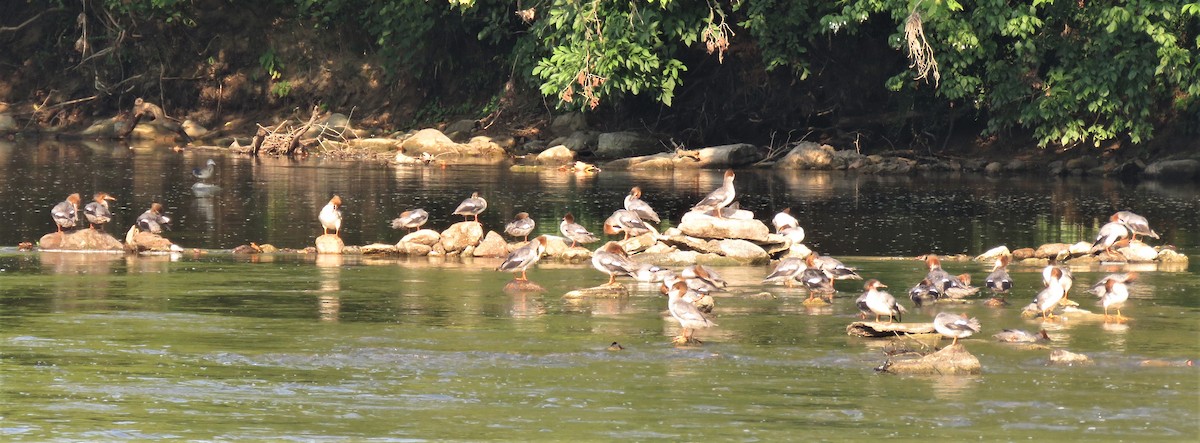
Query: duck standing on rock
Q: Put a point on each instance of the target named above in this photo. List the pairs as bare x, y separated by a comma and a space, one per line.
634, 202
522, 258
999, 282
521, 226
955, 326
1111, 234
411, 219
1063, 277
787, 226
66, 213
207, 172
787, 269
153, 221
331, 216
879, 302
703, 279
97, 211
1137, 224
471, 207
1048, 299
687, 314
626, 221
718, 198
832, 266
1113, 292
576, 232
612, 260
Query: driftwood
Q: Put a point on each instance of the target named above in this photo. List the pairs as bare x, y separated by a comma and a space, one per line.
876, 329
278, 141
951, 360
145, 110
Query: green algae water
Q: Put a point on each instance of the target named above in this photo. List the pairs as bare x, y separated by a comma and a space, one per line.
212, 346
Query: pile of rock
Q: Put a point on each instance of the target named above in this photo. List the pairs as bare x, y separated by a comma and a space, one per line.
1080, 253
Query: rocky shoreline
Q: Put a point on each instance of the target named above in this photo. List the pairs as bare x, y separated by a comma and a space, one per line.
568, 139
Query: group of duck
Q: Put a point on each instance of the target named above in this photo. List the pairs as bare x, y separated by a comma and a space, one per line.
98, 214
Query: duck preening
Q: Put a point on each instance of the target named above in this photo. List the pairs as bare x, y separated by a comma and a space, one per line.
522, 258
411, 219
521, 226
331, 216
687, 314
97, 211
66, 213
153, 220
719, 198
955, 326
471, 207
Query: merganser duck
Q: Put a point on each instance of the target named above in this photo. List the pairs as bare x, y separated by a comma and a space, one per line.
577, 233
522, 258
784, 220
411, 219
1111, 233
832, 266
718, 198
1137, 224
818, 283
702, 301
1020, 336
1063, 277
207, 172
687, 314
1113, 291
1048, 299
942, 279
331, 216
881, 303
703, 278
521, 226
998, 281
626, 221
611, 259
923, 293
66, 213
961, 288
97, 211
955, 326
152, 220
634, 202
471, 207
787, 269
649, 273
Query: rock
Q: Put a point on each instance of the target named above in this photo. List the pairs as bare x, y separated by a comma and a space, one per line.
1056, 168
484, 148
268, 248
890, 165
1138, 252
701, 225
1068, 358
719, 157
427, 237
1082, 163
879, 329
1081, 248
1052, 250
1171, 256
603, 291
522, 286
1015, 165
375, 144
807, 155
579, 141
776, 243
492, 245
330, 244
460, 130
1185, 169
458, 236
8, 123
951, 360
103, 128
430, 141
634, 245
993, 168
193, 129
83, 239
744, 251
378, 249
992, 254
798, 250
558, 155
625, 144
568, 123
658, 162
559, 248
147, 241
156, 131
693, 244
1023, 253
414, 249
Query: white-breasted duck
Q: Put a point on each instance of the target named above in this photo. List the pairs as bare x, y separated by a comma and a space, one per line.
153, 220
411, 219
634, 202
687, 314
627, 222
612, 260
787, 270
999, 281
521, 226
1111, 234
574, 231
97, 211
955, 326
471, 207
1137, 224
881, 303
719, 198
522, 258
1113, 291
331, 216
66, 213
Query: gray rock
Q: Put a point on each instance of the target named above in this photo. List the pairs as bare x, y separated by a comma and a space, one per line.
329, 244
1185, 169
492, 245
568, 123
719, 157
700, 225
427, 237
460, 235
625, 144
460, 130
993, 168
744, 251
578, 141
807, 155
1015, 165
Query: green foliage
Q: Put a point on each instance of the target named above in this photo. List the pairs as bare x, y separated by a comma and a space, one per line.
281, 89
271, 64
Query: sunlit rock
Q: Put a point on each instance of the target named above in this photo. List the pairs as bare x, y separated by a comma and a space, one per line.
1052, 250
378, 249
460, 235
193, 129
1171, 256
83, 239
522, 286
636, 244
414, 249
330, 244
625, 144
719, 157
492, 245
1023, 253
427, 237
375, 144
559, 248
951, 360
808, 155
558, 155
603, 291
744, 251
141, 241
992, 254
877, 329
1138, 252
1080, 248
697, 224
798, 250
428, 140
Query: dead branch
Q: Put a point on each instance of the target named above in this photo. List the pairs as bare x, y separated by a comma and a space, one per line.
30, 20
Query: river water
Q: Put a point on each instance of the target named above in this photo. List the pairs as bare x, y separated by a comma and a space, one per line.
291, 347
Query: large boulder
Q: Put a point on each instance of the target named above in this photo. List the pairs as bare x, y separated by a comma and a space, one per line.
84, 239
1186, 169
460, 130
375, 144
697, 224
1052, 250
413, 249
492, 245
578, 141
568, 123
719, 157
951, 360
460, 235
147, 241
427, 237
660, 161
429, 140
808, 155
557, 155
1138, 252
991, 255
744, 251
625, 144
